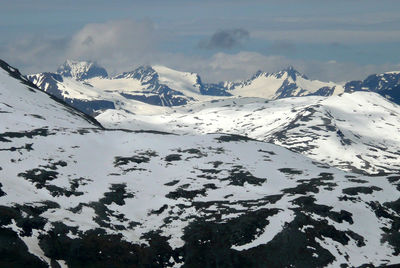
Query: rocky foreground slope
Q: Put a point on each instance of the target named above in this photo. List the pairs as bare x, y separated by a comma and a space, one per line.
73, 194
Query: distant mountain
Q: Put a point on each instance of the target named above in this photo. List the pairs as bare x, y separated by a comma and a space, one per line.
148, 85
81, 70
282, 84
87, 87
75, 93
93, 92
386, 84
144, 74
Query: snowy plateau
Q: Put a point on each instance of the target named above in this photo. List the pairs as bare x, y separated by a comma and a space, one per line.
155, 168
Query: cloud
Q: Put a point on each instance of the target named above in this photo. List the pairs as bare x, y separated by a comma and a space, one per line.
242, 65
115, 43
225, 39
123, 45
35, 53
345, 36
225, 66
283, 47
120, 44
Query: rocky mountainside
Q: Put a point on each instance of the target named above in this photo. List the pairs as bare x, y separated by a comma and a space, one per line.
73, 194
386, 84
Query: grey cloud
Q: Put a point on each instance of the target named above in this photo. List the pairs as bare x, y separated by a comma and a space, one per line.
242, 65
35, 53
225, 39
115, 44
88, 41
122, 45
328, 36
283, 47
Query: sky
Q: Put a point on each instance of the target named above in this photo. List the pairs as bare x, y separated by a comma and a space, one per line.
328, 40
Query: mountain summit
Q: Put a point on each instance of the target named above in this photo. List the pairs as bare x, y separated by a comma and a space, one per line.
81, 70
291, 72
286, 83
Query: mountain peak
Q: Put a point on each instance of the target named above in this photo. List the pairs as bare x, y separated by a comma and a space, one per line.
291, 72
258, 74
290, 69
81, 70
144, 70
144, 73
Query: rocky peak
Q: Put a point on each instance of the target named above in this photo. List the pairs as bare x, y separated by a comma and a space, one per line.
291, 72
145, 74
81, 70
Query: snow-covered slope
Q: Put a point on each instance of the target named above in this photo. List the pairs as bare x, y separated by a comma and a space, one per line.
357, 131
187, 83
24, 107
167, 200
120, 102
83, 196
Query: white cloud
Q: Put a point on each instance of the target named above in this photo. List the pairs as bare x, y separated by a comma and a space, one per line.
35, 53
115, 43
123, 45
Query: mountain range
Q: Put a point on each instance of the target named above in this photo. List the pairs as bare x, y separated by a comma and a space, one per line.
87, 86
173, 172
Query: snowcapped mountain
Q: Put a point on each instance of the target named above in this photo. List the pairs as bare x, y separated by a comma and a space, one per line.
283, 84
80, 95
144, 84
73, 194
154, 85
81, 70
162, 86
